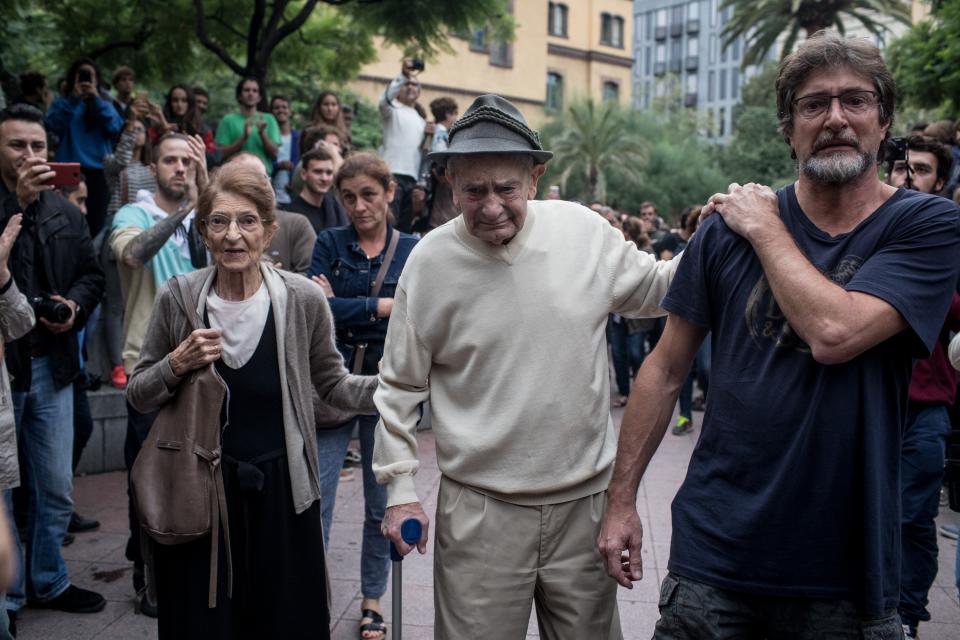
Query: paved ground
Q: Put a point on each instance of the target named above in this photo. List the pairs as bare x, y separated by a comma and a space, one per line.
96, 561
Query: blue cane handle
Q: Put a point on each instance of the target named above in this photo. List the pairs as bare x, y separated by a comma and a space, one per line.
410, 531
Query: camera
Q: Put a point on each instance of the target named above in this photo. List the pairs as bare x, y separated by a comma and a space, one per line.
84, 75
417, 64
51, 310
896, 150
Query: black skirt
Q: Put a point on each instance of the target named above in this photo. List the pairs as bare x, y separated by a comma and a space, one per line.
279, 586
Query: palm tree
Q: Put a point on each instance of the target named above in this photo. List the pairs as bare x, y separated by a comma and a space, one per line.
593, 139
762, 21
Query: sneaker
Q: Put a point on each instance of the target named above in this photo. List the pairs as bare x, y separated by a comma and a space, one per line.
79, 524
119, 377
68, 539
951, 531
909, 632
145, 607
682, 426
75, 600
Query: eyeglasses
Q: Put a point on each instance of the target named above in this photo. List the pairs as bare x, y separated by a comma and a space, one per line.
855, 102
218, 223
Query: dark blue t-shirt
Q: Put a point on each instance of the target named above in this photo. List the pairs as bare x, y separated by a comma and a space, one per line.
793, 487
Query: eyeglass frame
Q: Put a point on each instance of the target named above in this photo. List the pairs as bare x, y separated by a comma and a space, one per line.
232, 220
875, 95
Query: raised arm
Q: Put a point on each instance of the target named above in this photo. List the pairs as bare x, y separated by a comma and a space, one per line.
648, 412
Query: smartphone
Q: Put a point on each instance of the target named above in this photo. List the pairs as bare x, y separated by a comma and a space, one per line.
417, 64
67, 174
84, 75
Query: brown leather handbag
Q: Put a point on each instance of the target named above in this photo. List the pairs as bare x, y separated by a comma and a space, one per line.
177, 480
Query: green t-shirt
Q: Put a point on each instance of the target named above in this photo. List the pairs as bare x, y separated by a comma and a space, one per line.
231, 129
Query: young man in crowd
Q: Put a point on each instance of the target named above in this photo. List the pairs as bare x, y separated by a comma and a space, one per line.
316, 200
248, 129
288, 153
819, 297
123, 79
53, 260
154, 240
933, 387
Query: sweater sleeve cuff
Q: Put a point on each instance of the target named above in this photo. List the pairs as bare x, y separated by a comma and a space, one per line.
170, 379
401, 490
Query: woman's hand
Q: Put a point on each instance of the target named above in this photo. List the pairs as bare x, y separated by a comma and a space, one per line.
384, 307
200, 348
324, 284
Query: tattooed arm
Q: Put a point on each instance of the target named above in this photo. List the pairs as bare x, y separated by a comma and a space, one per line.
146, 245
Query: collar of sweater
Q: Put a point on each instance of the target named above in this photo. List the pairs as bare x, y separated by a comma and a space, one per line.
508, 252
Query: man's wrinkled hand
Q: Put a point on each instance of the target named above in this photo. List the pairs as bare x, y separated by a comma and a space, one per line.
33, 177
620, 542
744, 208
395, 517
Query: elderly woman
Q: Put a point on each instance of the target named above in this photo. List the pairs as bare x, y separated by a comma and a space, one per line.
270, 339
347, 262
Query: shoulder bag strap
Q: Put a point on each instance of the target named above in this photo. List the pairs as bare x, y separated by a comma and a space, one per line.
374, 293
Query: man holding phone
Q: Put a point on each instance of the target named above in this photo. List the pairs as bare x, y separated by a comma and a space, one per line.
54, 265
403, 129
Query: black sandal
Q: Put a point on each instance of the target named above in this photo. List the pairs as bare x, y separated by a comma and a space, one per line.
376, 626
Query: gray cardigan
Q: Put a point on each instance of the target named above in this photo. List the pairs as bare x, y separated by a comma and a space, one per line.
16, 320
308, 360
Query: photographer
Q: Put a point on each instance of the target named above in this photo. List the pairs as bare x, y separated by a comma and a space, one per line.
54, 265
923, 164
404, 124
87, 124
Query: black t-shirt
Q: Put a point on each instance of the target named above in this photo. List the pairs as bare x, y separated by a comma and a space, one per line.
328, 215
793, 488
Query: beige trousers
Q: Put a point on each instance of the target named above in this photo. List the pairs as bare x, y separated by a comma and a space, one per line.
494, 559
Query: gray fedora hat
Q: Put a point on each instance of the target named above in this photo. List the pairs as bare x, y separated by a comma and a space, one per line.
492, 125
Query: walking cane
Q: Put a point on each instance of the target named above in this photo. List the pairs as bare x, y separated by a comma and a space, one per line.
410, 531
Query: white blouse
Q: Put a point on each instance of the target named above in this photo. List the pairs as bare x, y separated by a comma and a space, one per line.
241, 324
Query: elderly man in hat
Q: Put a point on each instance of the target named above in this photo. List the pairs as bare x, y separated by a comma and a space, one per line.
499, 321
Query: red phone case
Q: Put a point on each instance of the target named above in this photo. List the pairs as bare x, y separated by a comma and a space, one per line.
67, 174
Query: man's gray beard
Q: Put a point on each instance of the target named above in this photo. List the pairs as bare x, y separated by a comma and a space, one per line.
835, 169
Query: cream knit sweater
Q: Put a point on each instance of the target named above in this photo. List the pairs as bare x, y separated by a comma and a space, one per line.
508, 343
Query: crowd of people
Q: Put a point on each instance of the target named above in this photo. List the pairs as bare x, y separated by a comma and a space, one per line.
282, 290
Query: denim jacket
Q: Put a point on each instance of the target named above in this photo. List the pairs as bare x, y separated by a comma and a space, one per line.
338, 256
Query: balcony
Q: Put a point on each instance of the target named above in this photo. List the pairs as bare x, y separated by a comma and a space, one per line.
660, 33
659, 68
693, 63
676, 30
690, 100
693, 26
675, 66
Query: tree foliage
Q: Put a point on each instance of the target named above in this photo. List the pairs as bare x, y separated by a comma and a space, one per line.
293, 43
926, 60
676, 168
757, 152
762, 22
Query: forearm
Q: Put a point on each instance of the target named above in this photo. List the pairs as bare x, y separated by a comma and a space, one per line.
142, 248
269, 146
227, 150
649, 410
814, 305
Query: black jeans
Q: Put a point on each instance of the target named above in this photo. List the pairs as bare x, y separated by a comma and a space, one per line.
691, 610
402, 205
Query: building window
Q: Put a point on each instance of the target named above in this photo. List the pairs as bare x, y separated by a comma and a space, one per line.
711, 86
649, 21
693, 10
691, 83
735, 84
611, 91
693, 46
661, 52
723, 121
662, 18
646, 95
501, 54
478, 40
736, 49
713, 13
723, 84
554, 91
611, 30
676, 50
557, 19
647, 60
723, 53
